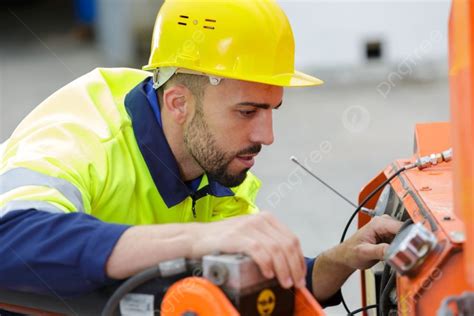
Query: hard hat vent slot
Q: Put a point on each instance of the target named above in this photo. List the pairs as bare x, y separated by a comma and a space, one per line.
210, 27
183, 17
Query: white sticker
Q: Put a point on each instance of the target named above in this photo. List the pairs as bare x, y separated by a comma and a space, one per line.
137, 305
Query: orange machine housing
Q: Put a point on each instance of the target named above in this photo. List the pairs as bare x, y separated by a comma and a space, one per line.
441, 197
461, 77
202, 297
427, 197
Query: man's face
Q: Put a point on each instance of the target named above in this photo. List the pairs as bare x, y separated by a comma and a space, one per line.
229, 126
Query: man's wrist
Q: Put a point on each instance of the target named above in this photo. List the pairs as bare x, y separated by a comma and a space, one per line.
330, 271
196, 245
339, 256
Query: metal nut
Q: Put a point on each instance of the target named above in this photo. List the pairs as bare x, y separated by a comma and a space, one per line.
409, 248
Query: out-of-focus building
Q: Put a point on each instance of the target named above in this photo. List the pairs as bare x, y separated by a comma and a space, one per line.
409, 37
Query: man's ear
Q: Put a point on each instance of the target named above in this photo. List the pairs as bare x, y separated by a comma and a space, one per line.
176, 102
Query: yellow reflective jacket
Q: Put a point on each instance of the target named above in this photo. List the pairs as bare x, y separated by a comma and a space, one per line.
94, 147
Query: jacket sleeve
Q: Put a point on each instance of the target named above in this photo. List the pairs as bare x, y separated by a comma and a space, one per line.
333, 300
54, 170
55, 254
50, 175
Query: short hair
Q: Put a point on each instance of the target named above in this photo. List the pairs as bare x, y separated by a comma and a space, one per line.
195, 83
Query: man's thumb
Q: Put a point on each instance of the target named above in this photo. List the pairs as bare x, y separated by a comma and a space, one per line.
373, 252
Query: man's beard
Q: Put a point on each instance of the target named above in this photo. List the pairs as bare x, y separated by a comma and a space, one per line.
202, 146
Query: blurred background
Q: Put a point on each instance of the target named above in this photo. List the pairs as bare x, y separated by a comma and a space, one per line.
384, 64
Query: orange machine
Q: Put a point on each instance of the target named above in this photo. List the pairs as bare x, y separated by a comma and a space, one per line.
440, 198
220, 284
205, 299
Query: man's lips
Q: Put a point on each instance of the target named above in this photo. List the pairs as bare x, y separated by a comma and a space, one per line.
247, 160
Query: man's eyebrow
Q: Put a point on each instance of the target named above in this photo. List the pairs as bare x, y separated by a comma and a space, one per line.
264, 106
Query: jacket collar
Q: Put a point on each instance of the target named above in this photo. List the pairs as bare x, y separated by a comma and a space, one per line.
141, 104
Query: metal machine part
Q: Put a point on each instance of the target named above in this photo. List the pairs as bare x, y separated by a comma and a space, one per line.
172, 267
409, 248
389, 203
373, 277
218, 274
434, 159
248, 290
464, 305
232, 271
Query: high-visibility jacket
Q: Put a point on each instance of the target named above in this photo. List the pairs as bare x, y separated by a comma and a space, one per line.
95, 147
83, 166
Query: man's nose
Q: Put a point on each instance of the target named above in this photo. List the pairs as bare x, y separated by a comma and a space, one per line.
262, 132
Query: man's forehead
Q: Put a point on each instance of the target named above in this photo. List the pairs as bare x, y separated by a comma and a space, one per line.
249, 84
238, 91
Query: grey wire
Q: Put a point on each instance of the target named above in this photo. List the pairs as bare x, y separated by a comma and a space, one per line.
293, 158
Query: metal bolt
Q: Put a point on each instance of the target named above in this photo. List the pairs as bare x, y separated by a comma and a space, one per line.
218, 274
457, 236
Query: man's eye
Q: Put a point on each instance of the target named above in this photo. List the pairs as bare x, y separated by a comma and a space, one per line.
247, 113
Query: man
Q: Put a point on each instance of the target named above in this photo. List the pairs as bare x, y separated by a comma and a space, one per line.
120, 170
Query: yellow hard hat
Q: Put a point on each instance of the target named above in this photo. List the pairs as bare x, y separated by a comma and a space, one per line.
249, 40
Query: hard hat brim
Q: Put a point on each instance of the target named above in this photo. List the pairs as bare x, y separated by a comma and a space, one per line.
299, 79
296, 79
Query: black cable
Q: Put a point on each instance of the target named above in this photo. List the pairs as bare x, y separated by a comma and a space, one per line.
371, 195
384, 304
387, 270
343, 301
387, 275
362, 309
136, 280
361, 205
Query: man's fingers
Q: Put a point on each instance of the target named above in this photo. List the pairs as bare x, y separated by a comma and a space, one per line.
372, 252
288, 235
386, 226
284, 242
368, 244
272, 246
261, 256
268, 255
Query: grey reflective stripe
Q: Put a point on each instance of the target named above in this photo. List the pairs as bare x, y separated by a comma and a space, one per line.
18, 205
20, 177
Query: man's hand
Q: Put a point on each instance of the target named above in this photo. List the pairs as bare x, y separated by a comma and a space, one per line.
274, 248
368, 245
361, 251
